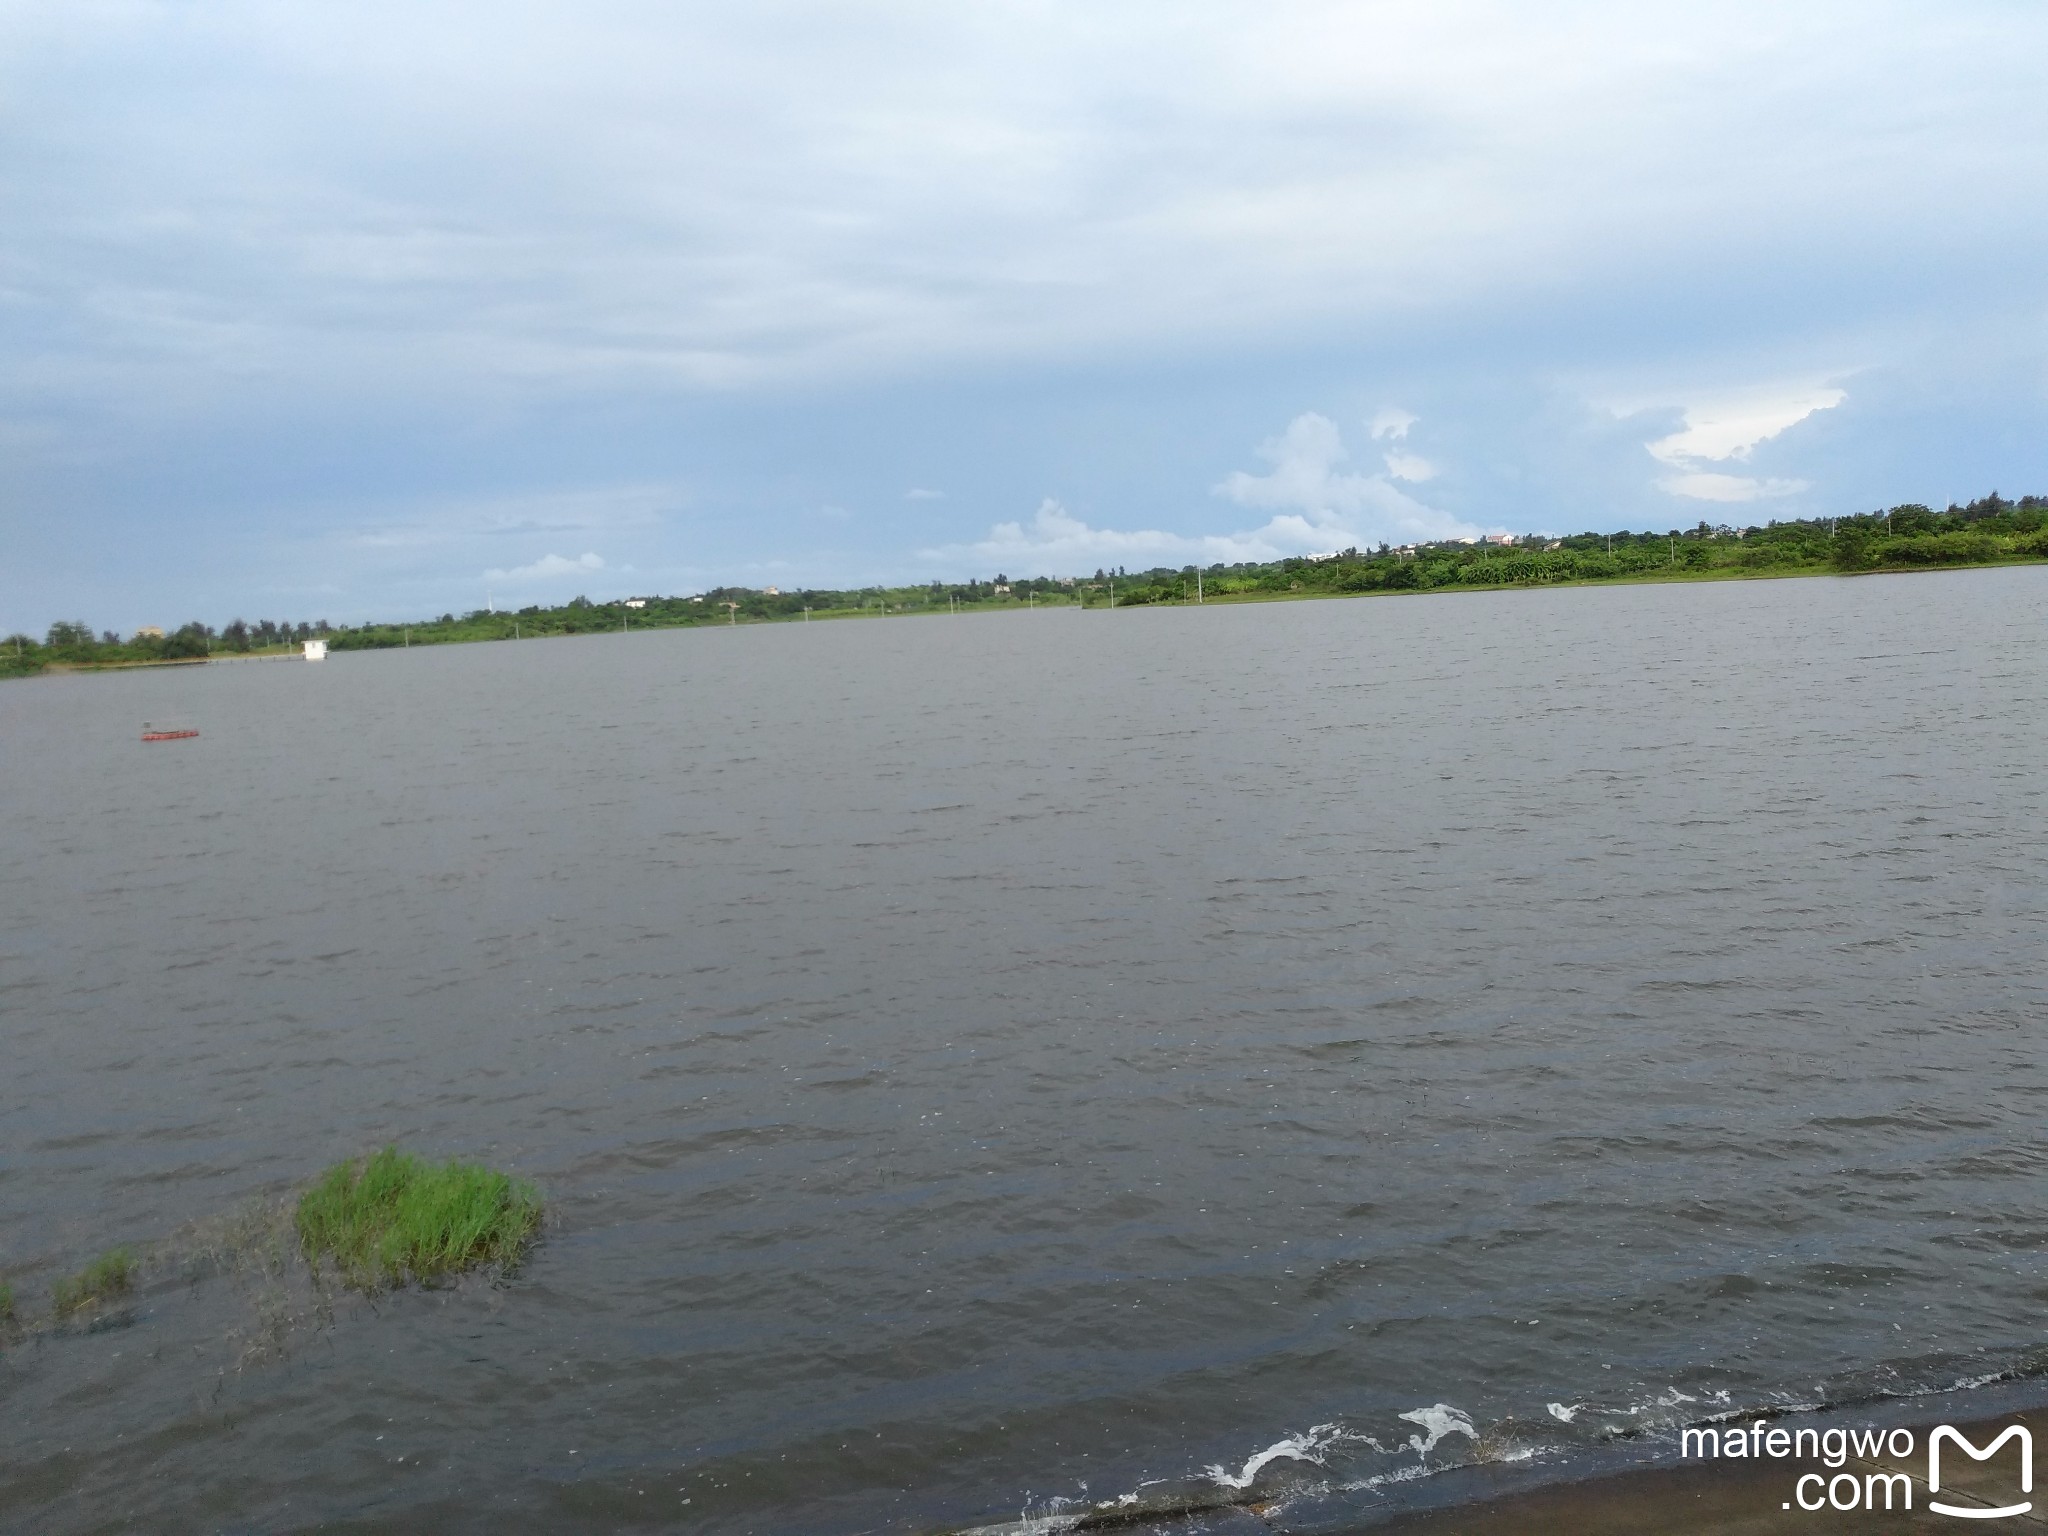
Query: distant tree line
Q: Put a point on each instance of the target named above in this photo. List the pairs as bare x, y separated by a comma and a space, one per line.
1988, 531
74, 643
1905, 537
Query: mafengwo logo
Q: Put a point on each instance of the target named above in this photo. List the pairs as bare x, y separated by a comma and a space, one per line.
1943, 1433
1875, 1470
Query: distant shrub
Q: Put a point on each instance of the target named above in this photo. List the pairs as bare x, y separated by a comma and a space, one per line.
1939, 549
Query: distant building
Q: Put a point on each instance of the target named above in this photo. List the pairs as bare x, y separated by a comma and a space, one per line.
1499, 538
1000, 589
150, 632
636, 602
316, 650
771, 591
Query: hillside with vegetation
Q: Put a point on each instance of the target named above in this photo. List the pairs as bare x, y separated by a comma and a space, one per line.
1990, 531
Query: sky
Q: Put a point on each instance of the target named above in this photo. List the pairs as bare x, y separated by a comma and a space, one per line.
387, 309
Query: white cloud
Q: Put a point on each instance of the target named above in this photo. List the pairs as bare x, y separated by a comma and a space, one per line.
1057, 542
1393, 422
1729, 426
1315, 504
1339, 505
1410, 466
1726, 428
549, 566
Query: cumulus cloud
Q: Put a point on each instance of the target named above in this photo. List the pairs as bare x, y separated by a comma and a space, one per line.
549, 566
1326, 502
1055, 540
1393, 422
1728, 427
1316, 505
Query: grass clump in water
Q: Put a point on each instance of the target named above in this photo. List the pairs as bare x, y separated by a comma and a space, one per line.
394, 1215
111, 1274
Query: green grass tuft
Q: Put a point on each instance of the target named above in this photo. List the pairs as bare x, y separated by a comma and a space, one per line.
111, 1274
395, 1215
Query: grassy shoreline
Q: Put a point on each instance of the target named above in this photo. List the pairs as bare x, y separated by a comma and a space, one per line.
427, 637
1985, 534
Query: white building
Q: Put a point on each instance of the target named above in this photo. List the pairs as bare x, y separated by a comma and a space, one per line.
316, 650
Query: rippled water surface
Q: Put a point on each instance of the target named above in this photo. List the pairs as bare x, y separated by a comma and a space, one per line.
975, 1063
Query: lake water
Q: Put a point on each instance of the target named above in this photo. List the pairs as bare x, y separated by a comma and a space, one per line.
977, 1063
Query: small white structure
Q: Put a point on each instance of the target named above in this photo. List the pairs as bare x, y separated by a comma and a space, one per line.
316, 650
636, 602
771, 591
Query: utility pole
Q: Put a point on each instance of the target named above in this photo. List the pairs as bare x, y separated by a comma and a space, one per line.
1198, 583
807, 613
1112, 593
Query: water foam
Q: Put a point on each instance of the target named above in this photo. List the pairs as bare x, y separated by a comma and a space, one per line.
1440, 1420
1310, 1447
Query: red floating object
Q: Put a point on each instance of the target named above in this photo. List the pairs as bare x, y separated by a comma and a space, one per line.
151, 733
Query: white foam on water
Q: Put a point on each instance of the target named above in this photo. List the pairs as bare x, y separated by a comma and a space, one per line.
1381, 1479
1309, 1447
1440, 1420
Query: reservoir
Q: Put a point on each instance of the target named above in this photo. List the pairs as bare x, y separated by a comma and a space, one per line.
993, 1065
